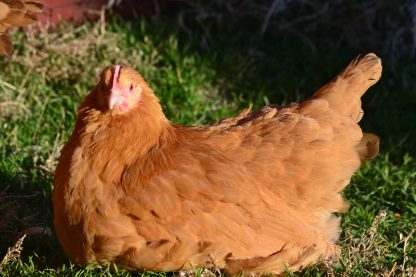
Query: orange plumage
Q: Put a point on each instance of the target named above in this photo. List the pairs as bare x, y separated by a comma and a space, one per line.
15, 13
251, 194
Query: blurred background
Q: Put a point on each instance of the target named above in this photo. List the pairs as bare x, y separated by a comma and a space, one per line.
207, 60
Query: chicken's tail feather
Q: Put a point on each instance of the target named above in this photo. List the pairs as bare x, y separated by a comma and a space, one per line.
344, 93
368, 147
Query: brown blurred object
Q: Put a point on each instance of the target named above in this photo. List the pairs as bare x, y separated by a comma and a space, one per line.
15, 13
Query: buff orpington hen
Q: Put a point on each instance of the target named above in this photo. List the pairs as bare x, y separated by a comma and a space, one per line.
251, 194
15, 13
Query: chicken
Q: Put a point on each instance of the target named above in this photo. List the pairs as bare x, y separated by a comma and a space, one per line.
15, 13
251, 194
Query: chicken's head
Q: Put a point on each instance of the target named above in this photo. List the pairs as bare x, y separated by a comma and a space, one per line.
122, 94
123, 88
122, 105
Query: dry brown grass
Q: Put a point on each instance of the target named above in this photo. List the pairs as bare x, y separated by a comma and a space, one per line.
13, 253
369, 247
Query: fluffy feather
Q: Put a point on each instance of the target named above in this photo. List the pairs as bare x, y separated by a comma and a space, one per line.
251, 194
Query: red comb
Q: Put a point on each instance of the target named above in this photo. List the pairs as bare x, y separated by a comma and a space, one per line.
116, 76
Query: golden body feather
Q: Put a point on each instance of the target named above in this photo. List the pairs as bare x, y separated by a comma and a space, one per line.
15, 13
251, 194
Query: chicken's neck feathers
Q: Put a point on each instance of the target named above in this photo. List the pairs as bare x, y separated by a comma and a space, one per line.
111, 144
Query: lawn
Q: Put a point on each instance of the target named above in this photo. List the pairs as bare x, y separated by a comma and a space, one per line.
207, 63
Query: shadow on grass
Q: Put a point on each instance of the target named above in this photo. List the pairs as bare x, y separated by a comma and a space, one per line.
26, 209
292, 59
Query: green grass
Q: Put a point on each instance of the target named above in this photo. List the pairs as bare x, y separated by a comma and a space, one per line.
201, 72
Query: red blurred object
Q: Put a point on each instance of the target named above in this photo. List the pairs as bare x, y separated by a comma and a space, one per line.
78, 11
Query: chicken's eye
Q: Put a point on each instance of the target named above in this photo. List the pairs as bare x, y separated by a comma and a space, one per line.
131, 87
